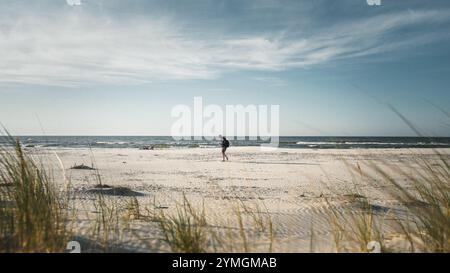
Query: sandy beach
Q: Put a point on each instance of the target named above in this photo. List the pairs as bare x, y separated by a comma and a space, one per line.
293, 186
115, 117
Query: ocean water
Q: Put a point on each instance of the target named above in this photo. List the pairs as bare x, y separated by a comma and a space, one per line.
299, 142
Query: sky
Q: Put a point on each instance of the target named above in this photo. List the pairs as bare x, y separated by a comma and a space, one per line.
113, 67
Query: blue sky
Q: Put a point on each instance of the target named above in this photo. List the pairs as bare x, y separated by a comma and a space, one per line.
118, 67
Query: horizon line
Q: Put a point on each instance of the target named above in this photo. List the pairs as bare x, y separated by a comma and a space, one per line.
68, 135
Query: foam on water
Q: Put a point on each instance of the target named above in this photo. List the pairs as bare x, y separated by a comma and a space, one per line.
284, 142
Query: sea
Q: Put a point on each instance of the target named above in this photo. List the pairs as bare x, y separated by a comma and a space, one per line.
167, 142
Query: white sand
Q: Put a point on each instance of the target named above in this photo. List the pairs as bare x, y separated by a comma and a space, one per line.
291, 183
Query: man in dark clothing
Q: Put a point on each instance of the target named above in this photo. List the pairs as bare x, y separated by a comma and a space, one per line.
225, 144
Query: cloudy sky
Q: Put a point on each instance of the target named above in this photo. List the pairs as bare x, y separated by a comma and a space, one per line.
114, 67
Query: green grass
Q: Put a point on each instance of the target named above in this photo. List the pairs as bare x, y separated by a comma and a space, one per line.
186, 230
33, 217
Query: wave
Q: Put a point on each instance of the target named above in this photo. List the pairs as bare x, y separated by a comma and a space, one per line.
167, 142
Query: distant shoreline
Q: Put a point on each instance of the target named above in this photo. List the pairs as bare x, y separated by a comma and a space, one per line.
167, 142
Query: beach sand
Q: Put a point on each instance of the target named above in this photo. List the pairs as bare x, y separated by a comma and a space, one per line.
294, 185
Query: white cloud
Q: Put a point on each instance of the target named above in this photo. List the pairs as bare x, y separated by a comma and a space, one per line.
78, 49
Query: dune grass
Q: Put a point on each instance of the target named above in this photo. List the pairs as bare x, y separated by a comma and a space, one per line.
33, 217
185, 230
188, 230
422, 193
426, 199
353, 230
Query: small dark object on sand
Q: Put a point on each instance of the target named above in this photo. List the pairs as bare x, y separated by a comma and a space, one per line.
148, 148
115, 191
82, 167
102, 186
354, 196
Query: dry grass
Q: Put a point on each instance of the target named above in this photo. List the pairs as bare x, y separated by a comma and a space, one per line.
352, 229
33, 215
188, 230
423, 195
426, 199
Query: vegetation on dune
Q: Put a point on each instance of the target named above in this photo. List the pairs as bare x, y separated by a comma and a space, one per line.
421, 219
33, 215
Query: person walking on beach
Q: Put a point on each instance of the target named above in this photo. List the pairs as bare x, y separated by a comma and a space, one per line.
225, 144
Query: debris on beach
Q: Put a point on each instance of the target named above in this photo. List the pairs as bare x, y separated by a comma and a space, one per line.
354, 196
113, 191
102, 186
147, 148
82, 167
155, 147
